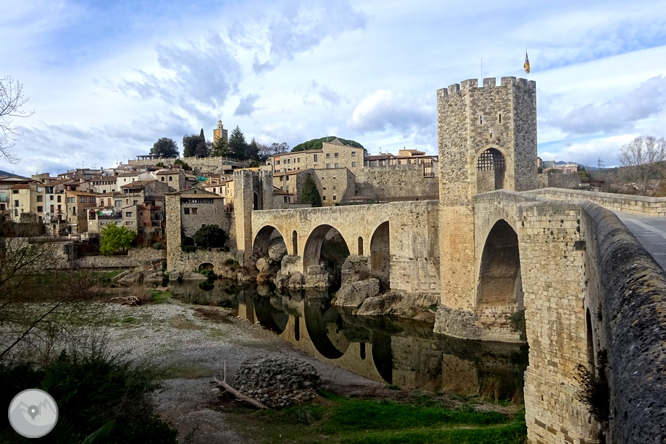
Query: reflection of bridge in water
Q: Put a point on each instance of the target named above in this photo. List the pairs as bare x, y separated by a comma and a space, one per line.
395, 351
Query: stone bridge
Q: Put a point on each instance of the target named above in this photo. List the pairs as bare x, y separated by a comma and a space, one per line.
401, 239
586, 288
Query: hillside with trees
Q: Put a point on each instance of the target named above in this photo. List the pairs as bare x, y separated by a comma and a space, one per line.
316, 144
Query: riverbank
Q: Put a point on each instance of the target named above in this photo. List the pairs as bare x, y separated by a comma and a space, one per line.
189, 344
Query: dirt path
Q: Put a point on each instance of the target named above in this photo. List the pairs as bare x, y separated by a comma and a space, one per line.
191, 348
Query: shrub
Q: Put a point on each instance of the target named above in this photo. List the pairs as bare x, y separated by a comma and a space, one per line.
97, 393
210, 236
310, 193
157, 245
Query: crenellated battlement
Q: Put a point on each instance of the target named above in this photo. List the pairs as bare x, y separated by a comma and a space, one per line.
488, 82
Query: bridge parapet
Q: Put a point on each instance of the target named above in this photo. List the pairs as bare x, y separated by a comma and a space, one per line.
646, 206
626, 299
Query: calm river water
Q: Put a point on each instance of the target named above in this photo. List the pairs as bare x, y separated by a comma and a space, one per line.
401, 352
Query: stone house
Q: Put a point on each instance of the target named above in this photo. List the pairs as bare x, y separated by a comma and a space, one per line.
199, 208
27, 202
174, 178
332, 155
77, 205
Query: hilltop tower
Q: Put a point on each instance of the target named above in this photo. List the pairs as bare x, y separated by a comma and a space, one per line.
220, 132
487, 141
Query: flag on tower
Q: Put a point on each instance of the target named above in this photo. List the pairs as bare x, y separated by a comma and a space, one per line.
526, 65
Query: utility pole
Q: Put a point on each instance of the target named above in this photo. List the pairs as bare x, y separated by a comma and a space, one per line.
600, 163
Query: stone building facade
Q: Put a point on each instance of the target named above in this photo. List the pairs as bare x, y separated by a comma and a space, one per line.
332, 155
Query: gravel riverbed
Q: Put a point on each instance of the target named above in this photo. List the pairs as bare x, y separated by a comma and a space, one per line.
191, 344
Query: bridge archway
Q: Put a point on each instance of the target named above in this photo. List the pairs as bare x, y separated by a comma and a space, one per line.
490, 170
267, 236
500, 283
325, 244
380, 253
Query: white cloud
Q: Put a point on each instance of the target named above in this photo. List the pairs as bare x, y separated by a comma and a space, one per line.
617, 114
382, 110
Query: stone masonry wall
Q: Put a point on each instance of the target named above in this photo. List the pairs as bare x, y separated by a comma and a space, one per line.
396, 182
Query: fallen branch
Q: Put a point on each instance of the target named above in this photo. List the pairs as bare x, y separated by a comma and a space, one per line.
223, 384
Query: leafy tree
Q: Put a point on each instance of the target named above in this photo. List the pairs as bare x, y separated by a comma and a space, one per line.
115, 238
237, 144
253, 150
643, 159
11, 105
316, 144
220, 148
210, 236
202, 150
165, 147
191, 142
310, 193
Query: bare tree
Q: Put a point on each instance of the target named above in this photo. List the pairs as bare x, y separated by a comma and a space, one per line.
644, 159
11, 106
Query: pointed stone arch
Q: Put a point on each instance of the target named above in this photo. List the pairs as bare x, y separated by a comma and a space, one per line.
490, 170
500, 283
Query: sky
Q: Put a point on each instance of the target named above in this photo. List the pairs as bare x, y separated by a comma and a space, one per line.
107, 79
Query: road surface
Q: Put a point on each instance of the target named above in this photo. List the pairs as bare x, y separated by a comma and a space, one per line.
650, 231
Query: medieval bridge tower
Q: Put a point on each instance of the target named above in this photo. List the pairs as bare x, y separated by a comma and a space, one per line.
487, 141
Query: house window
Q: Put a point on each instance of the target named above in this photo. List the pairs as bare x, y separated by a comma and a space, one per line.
40, 198
15, 191
59, 198
187, 211
323, 197
70, 200
74, 211
328, 155
83, 200
328, 165
40, 209
170, 178
51, 197
315, 157
353, 153
337, 165
119, 203
16, 203
334, 197
128, 214
353, 164
162, 178
333, 186
194, 210
286, 199
335, 155
323, 188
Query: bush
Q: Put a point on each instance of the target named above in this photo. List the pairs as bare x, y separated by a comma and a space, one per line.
210, 236
157, 245
96, 392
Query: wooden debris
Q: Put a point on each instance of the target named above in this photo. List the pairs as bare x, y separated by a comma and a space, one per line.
223, 384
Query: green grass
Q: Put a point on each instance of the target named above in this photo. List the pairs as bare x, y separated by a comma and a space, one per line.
160, 297
344, 420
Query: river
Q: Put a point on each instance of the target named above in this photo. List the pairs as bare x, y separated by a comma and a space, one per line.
400, 352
